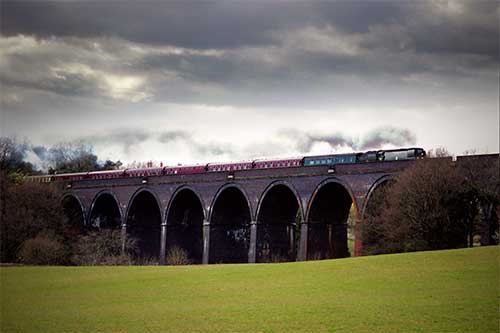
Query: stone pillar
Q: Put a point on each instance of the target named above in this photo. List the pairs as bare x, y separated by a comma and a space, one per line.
304, 229
358, 239
331, 242
252, 248
291, 241
124, 237
206, 242
163, 243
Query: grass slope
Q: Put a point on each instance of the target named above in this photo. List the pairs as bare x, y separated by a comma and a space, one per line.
445, 291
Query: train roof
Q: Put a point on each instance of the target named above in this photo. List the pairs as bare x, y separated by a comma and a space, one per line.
106, 171
278, 159
226, 163
329, 155
140, 169
401, 149
71, 174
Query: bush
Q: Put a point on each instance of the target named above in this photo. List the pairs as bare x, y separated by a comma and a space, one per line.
103, 247
116, 260
177, 256
43, 250
146, 261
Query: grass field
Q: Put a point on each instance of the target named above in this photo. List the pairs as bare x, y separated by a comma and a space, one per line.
445, 291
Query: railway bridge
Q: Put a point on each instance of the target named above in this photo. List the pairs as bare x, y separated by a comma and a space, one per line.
258, 215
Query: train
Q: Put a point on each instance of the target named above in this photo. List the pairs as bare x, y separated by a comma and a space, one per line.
306, 161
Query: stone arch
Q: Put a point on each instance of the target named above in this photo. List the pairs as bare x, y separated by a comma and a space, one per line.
184, 218
278, 212
382, 181
143, 220
74, 212
105, 212
230, 217
327, 216
368, 231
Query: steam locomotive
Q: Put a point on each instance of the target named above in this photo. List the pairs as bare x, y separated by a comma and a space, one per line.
328, 160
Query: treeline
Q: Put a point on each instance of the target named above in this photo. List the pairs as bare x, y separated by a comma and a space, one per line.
20, 159
35, 226
435, 204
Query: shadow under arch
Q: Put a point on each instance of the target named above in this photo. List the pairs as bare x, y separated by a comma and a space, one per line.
144, 223
105, 212
184, 219
278, 213
327, 216
74, 213
230, 218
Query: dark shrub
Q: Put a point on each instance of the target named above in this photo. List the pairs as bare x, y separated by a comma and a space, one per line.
28, 209
177, 256
103, 247
43, 250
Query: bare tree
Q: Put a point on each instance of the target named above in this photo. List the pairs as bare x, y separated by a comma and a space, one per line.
72, 157
419, 211
481, 181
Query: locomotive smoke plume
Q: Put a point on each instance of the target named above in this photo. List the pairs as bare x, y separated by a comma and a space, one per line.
374, 139
388, 135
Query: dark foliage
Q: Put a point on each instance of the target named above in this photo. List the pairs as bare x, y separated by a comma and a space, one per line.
104, 247
28, 209
432, 205
44, 249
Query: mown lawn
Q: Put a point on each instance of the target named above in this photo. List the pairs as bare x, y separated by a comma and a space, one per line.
445, 291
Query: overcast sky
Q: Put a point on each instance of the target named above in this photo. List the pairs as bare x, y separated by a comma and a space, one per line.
186, 82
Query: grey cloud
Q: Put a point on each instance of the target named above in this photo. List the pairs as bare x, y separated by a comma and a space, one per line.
199, 148
259, 65
213, 148
166, 137
125, 138
131, 137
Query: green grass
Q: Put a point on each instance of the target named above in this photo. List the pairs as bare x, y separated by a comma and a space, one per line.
445, 291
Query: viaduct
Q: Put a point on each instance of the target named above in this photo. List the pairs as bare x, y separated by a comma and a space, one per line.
257, 215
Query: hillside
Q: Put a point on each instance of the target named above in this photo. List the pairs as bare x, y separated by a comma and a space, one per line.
445, 291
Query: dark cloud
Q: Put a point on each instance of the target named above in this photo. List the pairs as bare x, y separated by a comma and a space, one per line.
427, 27
187, 24
269, 53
